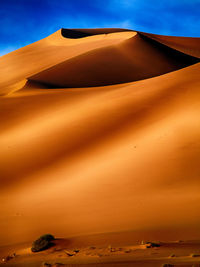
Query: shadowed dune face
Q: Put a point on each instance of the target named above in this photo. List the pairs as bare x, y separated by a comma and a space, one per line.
134, 59
17, 66
81, 33
186, 45
100, 159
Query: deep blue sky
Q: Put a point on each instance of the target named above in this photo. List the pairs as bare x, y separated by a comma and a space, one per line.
25, 21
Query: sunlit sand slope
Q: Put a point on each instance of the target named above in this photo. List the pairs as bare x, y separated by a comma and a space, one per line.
116, 157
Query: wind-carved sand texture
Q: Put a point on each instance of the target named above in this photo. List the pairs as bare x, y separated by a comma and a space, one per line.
100, 133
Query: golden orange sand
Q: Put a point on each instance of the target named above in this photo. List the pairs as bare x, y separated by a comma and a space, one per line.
118, 151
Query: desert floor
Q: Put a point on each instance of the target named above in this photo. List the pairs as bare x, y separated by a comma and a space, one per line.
81, 251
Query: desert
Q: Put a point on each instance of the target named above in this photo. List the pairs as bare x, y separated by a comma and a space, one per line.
100, 147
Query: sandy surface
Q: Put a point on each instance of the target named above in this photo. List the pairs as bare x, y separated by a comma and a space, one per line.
101, 134
75, 252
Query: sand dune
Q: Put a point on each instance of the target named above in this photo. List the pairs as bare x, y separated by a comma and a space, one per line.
104, 155
130, 60
17, 66
189, 46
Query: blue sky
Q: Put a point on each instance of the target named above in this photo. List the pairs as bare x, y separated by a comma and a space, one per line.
25, 21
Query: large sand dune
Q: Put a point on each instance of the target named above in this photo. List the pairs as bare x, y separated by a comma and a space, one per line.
134, 59
100, 133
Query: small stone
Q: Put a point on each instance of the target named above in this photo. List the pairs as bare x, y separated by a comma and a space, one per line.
152, 245
69, 253
195, 255
127, 251
148, 245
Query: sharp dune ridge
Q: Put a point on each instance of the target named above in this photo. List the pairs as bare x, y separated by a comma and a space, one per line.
81, 33
100, 133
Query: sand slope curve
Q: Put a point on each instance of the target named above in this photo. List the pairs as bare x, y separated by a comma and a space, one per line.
116, 157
